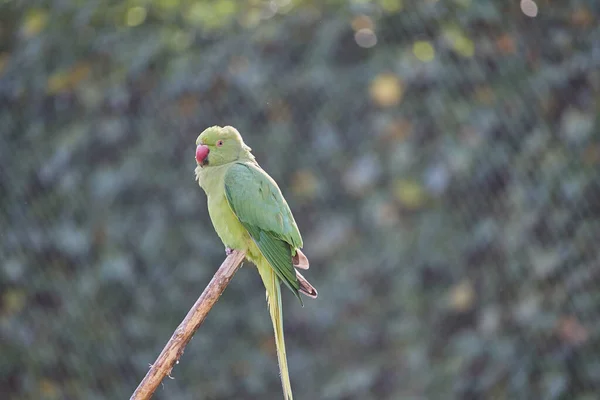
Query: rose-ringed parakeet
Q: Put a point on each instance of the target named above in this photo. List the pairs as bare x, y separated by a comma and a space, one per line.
250, 214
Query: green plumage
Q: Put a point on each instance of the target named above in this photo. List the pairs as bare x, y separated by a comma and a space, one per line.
250, 214
260, 207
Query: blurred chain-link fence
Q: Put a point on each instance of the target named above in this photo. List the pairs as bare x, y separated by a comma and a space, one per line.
441, 159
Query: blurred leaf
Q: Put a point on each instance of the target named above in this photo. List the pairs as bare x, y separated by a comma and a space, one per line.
168, 4
35, 22
591, 155
506, 44
64, 80
423, 50
387, 214
462, 296
13, 301
279, 111
211, 15
582, 16
362, 22
4, 58
188, 105
485, 95
305, 184
362, 175
497, 152
544, 262
49, 389
386, 90
135, 16
410, 194
267, 345
365, 38
571, 331
397, 130
577, 126
459, 42
391, 6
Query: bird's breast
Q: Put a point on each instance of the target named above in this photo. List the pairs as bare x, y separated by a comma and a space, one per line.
228, 227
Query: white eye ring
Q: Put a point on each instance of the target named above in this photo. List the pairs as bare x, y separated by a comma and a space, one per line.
219, 143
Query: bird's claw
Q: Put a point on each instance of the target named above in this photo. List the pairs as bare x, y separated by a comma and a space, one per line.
228, 251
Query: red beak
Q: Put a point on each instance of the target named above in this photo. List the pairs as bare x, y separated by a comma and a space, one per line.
201, 153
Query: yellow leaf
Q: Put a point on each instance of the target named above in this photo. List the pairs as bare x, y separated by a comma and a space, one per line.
57, 82
423, 50
225, 7
460, 42
64, 80
135, 16
386, 90
49, 389
213, 16
35, 22
13, 300
168, 4
410, 194
462, 296
199, 13
362, 22
391, 6
464, 46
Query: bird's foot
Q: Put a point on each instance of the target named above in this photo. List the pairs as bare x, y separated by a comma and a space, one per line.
228, 251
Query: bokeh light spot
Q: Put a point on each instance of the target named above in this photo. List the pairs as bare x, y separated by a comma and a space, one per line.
35, 22
136, 16
392, 6
409, 193
460, 42
423, 50
168, 4
386, 90
529, 8
362, 22
365, 38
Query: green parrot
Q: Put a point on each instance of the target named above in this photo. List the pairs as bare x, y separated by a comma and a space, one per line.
250, 214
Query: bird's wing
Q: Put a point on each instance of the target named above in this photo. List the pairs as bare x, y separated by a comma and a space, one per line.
256, 200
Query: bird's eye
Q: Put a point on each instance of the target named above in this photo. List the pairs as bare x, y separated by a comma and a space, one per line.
219, 143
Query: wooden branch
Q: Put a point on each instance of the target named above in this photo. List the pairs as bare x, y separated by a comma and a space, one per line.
190, 324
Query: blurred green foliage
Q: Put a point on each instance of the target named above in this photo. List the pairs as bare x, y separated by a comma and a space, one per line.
441, 159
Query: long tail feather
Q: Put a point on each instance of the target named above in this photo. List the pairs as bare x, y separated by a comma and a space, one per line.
273, 287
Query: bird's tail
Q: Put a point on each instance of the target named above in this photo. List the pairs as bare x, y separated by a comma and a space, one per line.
273, 287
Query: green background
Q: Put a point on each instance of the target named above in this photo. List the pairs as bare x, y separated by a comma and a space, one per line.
440, 157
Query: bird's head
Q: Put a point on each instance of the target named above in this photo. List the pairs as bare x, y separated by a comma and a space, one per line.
220, 145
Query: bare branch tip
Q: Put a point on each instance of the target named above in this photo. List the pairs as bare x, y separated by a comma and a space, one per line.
173, 350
